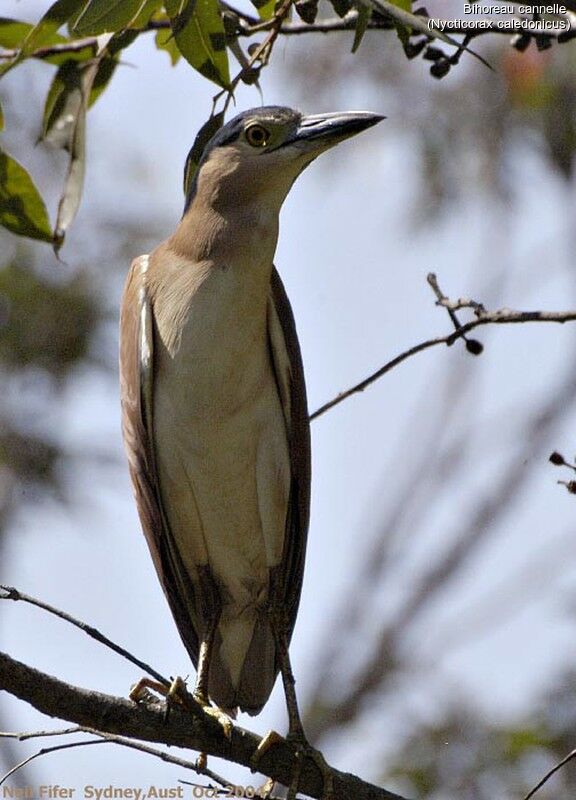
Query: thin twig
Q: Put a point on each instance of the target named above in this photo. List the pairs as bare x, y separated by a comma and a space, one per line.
23, 735
11, 593
195, 766
503, 316
549, 774
44, 751
250, 27
261, 53
472, 345
359, 387
442, 299
107, 738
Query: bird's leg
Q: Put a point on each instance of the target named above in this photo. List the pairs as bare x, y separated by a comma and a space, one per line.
211, 609
295, 728
279, 627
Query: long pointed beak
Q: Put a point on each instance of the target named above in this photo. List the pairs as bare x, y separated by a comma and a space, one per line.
325, 130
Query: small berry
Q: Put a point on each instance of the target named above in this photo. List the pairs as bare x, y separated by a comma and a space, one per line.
474, 347
556, 458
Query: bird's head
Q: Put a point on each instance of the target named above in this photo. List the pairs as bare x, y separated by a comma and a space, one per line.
259, 154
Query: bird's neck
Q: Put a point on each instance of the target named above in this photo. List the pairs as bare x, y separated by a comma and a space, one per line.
224, 261
245, 238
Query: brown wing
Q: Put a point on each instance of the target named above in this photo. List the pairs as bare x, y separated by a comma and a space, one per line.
136, 390
287, 361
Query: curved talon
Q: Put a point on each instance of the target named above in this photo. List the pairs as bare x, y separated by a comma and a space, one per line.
264, 792
177, 694
219, 716
142, 691
266, 742
196, 701
305, 750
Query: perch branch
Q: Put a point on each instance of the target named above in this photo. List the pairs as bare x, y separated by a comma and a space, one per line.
115, 715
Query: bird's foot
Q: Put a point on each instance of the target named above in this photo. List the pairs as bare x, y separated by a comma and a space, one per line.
196, 702
177, 694
305, 750
264, 792
266, 742
216, 714
302, 751
143, 691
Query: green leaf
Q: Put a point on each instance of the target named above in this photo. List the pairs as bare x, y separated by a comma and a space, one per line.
402, 31
66, 90
109, 62
143, 17
364, 14
104, 16
199, 33
62, 105
165, 40
76, 146
22, 208
416, 22
265, 8
106, 69
194, 157
13, 32
43, 33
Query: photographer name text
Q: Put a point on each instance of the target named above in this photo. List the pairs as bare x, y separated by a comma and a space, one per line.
53, 791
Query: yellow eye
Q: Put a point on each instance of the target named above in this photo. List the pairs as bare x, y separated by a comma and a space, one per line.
257, 135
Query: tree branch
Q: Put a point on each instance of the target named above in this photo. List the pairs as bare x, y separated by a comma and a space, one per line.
11, 593
247, 28
116, 715
105, 738
549, 774
503, 316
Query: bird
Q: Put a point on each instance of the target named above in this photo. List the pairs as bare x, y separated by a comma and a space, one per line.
214, 411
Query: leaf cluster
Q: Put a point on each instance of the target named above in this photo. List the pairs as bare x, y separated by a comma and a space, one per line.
85, 41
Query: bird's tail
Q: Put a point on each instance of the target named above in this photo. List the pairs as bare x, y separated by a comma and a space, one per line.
243, 666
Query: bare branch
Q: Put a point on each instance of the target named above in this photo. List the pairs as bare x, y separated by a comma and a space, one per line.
196, 766
549, 774
503, 316
11, 593
434, 580
260, 56
104, 714
43, 752
22, 736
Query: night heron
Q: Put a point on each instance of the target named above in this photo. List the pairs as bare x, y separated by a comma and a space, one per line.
215, 419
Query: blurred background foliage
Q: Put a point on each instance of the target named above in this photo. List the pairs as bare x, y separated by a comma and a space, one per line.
468, 135
463, 756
